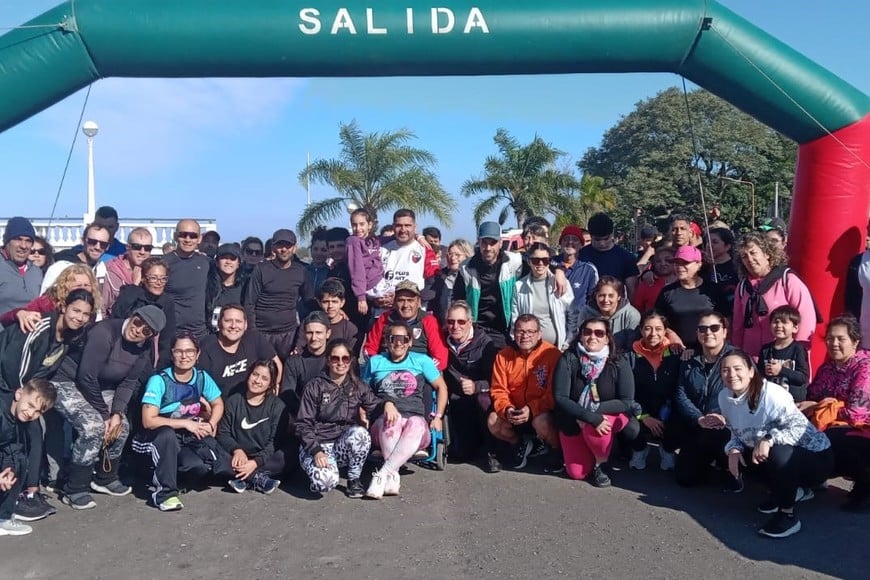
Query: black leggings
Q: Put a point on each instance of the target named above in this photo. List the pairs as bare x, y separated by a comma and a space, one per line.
788, 468
699, 447
851, 453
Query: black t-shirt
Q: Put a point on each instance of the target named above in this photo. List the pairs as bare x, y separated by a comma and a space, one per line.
616, 262
490, 313
230, 370
343, 329
726, 278
795, 373
683, 307
272, 294
188, 279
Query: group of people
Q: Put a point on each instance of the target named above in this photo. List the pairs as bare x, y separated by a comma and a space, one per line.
239, 363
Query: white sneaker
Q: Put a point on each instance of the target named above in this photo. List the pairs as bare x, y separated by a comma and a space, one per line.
667, 460
638, 459
13, 527
804, 494
376, 487
393, 484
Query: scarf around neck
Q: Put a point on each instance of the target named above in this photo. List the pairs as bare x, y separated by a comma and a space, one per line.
654, 356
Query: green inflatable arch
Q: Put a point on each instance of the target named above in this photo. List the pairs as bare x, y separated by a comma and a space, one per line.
81, 41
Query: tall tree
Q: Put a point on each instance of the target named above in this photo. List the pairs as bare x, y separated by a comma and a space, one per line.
576, 207
522, 179
649, 158
378, 172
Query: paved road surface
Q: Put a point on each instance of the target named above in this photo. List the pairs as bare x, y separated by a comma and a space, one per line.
460, 523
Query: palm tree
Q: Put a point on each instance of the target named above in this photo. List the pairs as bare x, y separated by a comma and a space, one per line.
591, 197
522, 177
377, 172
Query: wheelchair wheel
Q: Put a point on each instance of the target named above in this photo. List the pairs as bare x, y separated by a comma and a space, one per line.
440, 456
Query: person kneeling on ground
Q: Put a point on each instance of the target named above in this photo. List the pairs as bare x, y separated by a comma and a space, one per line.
593, 389
179, 429
247, 431
27, 403
522, 395
770, 434
399, 377
328, 423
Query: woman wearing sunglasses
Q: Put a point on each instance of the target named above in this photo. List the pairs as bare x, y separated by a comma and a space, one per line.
113, 360
41, 253
401, 427
328, 423
534, 294
150, 290
75, 277
126, 269
697, 423
593, 389
608, 301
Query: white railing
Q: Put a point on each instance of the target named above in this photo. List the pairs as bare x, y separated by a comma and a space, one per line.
64, 233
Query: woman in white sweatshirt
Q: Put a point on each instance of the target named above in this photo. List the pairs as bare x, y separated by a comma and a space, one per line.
770, 434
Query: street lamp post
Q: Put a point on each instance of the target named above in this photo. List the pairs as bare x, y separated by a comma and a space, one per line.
90, 129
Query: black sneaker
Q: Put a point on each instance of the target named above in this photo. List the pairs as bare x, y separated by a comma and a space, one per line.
554, 464
598, 477
33, 507
858, 499
768, 506
539, 448
79, 501
781, 525
493, 465
355, 489
733, 485
521, 453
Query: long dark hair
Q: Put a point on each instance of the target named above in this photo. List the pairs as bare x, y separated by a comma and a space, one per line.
273, 374
756, 383
337, 342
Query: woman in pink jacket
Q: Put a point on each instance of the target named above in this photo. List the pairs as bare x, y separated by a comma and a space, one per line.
766, 283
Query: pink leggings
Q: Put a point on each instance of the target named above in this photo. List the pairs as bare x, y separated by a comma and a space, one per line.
401, 441
581, 450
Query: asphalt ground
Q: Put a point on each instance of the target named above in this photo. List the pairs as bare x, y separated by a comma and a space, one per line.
458, 523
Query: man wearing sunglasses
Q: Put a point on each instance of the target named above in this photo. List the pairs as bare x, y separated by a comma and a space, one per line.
19, 279
96, 239
189, 272
126, 268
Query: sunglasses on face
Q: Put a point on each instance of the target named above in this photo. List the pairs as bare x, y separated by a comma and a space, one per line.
596, 332
145, 329
399, 339
38, 252
141, 247
187, 235
540, 261
343, 359
456, 322
714, 328
97, 243
253, 251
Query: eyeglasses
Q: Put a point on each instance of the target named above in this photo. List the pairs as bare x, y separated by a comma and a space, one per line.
540, 261
184, 352
597, 332
343, 359
139, 323
38, 252
527, 332
140, 247
253, 251
154, 279
456, 322
187, 235
399, 339
714, 328
98, 243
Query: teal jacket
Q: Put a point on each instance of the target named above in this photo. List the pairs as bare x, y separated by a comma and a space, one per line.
511, 266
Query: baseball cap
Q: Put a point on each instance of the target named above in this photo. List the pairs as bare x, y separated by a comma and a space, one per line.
648, 232
571, 230
152, 316
283, 235
228, 250
489, 230
774, 223
688, 254
600, 225
318, 317
696, 229
408, 286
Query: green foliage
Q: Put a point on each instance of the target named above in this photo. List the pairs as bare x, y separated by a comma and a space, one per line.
576, 207
647, 158
522, 179
378, 172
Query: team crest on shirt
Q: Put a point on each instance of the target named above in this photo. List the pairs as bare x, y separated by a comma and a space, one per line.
417, 332
324, 399
541, 376
416, 256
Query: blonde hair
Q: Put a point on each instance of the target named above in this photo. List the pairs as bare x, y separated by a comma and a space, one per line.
464, 246
61, 288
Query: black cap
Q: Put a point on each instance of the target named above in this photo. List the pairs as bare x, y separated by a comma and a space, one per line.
600, 225
228, 250
284, 235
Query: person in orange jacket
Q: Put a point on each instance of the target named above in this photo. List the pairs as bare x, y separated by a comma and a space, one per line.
522, 396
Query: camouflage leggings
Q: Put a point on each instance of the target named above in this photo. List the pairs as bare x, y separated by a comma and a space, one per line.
88, 424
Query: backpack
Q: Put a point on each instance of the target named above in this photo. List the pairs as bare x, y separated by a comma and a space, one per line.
766, 284
187, 394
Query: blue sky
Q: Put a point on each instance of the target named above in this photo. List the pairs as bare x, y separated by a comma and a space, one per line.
231, 149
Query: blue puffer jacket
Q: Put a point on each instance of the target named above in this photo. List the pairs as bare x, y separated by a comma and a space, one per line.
698, 392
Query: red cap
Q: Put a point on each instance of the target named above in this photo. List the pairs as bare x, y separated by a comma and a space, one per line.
572, 231
696, 229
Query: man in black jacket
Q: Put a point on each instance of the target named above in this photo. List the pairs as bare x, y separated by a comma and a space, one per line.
471, 354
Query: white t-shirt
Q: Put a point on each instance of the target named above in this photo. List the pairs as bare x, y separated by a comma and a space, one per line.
404, 263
